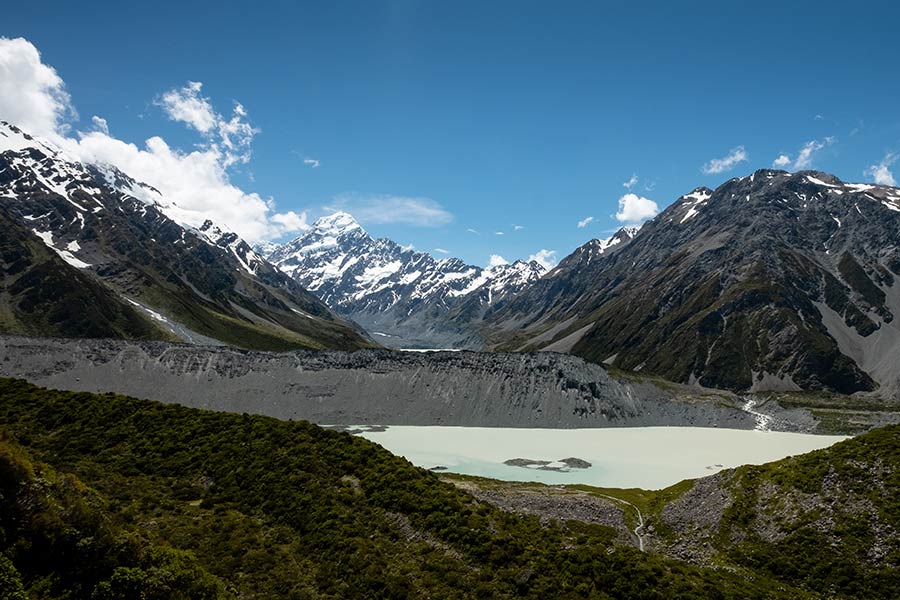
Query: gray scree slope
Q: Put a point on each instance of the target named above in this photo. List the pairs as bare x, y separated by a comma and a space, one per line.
363, 387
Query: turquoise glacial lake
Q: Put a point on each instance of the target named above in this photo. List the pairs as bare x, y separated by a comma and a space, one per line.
642, 457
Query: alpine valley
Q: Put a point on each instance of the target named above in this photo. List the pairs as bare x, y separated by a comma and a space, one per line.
775, 281
207, 414
404, 298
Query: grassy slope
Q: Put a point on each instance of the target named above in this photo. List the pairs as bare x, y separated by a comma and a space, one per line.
288, 510
41, 295
837, 514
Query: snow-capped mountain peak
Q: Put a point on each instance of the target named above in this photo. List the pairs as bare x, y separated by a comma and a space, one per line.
13, 138
380, 284
336, 224
622, 236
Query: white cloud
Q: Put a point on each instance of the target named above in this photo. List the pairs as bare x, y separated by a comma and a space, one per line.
783, 160
496, 260
32, 95
518, 227
726, 163
475, 231
291, 221
545, 258
441, 251
312, 162
881, 173
197, 183
236, 135
634, 209
186, 105
584, 222
818, 117
381, 209
232, 137
631, 182
498, 233
100, 124
804, 158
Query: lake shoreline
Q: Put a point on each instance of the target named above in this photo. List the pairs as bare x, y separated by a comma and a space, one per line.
649, 458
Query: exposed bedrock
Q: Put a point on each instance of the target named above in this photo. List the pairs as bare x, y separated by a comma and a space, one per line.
368, 386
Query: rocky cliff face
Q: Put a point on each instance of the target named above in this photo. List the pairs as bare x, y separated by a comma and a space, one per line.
771, 281
369, 386
404, 298
88, 251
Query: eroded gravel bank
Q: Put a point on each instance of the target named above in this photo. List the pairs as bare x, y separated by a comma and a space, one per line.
368, 386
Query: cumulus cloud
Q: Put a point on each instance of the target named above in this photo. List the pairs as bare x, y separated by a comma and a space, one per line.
100, 124
186, 105
196, 185
235, 136
584, 222
545, 258
195, 182
782, 160
881, 172
631, 182
726, 163
805, 157
635, 209
32, 95
232, 136
311, 162
518, 227
498, 233
441, 251
379, 209
291, 221
496, 260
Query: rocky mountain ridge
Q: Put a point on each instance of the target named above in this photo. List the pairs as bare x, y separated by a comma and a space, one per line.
89, 251
777, 280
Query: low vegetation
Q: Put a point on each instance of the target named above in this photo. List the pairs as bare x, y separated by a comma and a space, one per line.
104, 495
828, 520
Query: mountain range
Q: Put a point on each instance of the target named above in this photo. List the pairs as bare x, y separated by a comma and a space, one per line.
402, 297
773, 281
87, 251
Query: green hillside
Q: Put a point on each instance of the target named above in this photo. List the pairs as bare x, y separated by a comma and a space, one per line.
259, 508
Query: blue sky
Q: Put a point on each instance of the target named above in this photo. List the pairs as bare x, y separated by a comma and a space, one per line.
486, 115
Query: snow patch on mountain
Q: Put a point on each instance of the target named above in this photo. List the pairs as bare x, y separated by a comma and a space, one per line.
65, 254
